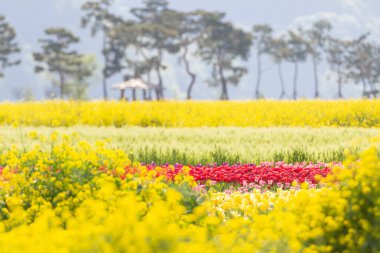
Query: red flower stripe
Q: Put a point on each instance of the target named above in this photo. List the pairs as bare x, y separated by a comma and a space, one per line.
263, 174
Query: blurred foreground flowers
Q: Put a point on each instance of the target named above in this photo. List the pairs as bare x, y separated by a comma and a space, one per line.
69, 196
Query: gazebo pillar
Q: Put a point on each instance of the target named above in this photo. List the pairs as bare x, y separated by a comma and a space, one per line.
122, 94
144, 94
158, 94
134, 94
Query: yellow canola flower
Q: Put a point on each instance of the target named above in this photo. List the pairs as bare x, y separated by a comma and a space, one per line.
262, 113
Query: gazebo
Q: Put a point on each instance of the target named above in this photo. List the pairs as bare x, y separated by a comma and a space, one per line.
135, 84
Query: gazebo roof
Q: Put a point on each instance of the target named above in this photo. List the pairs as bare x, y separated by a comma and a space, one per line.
135, 83
131, 84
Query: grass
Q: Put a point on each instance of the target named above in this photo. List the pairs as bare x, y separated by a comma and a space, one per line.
208, 145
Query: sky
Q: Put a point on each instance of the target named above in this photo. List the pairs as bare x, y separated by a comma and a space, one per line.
350, 18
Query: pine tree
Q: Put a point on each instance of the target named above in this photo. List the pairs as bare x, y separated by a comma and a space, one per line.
56, 55
221, 46
98, 18
262, 38
8, 45
298, 53
316, 41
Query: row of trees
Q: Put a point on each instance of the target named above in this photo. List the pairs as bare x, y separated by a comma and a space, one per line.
356, 60
136, 47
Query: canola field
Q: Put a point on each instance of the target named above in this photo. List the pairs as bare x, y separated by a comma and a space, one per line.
190, 176
263, 113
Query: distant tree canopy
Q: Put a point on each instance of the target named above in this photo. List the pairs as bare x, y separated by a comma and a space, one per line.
8, 45
316, 38
222, 46
138, 44
155, 30
280, 52
362, 64
58, 58
136, 47
262, 38
336, 57
157, 34
98, 18
82, 67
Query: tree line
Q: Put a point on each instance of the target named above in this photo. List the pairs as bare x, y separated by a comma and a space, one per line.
136, 47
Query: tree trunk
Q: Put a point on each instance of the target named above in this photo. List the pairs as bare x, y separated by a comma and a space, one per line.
283, 93
340, 94
105, 93
372, 89
223, 81
61, 84
61, 77
188, 70
295, 80
316, 81
149, 82
258, 81
365, 94
160, 92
